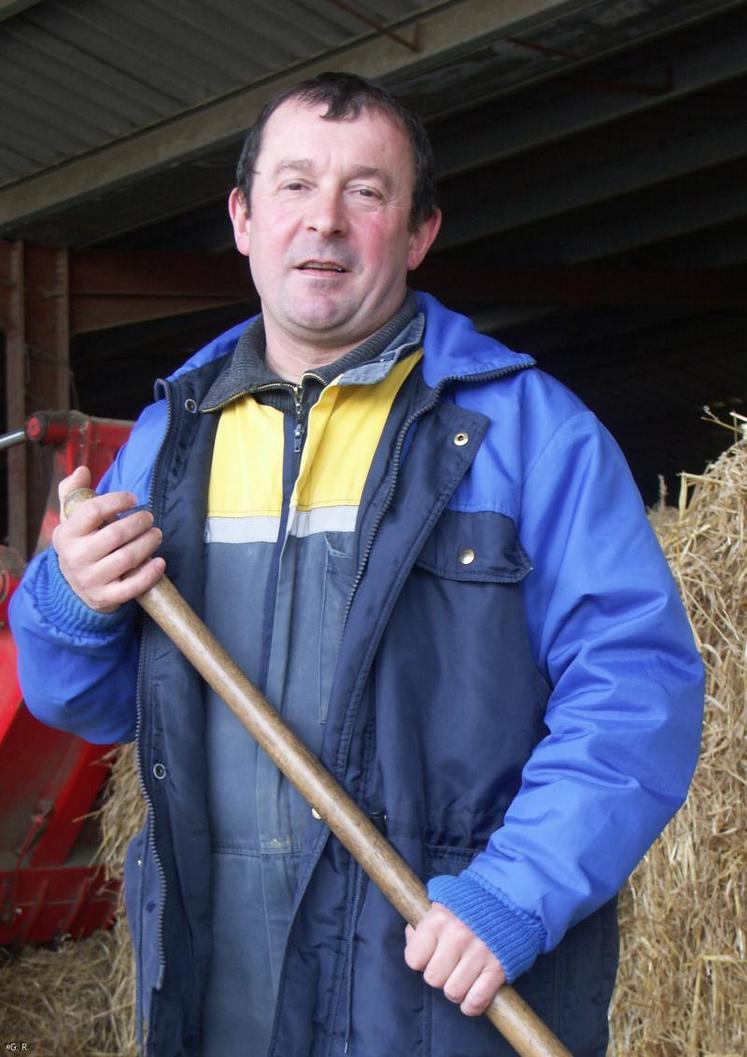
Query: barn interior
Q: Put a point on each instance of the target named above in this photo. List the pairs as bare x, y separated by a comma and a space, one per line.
591, 160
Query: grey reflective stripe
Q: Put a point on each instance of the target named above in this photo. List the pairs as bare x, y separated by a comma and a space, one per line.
242, 529
323, 519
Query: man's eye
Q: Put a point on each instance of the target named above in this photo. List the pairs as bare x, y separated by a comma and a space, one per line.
293, 185
366, 192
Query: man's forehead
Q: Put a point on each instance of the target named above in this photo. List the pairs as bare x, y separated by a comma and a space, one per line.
300, 113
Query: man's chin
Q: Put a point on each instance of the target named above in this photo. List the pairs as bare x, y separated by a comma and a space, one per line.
331, 323
329, 328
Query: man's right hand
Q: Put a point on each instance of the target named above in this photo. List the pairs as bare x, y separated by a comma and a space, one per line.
106, 560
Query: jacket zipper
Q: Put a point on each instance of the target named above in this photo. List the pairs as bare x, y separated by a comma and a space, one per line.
424, 409
138, 732
413, 417
297, 392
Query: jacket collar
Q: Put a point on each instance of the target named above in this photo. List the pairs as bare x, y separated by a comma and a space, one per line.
247, 369
453, 348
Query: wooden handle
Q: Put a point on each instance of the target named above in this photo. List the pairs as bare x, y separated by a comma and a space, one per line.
510, 1014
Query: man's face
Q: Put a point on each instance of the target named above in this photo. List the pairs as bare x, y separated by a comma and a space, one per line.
327, 231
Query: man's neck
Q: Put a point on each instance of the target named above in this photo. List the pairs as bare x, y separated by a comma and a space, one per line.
292, 362
291, 358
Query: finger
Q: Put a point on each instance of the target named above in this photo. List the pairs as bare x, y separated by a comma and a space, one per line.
123, 560
482, 992
421, 944
79, 550
117, 535
442, 964
111, 596
98, 511
467, 970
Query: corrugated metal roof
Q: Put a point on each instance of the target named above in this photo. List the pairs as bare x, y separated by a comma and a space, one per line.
77, 76
567, 134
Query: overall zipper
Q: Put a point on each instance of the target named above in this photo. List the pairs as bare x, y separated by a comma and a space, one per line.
298, 428
296, 392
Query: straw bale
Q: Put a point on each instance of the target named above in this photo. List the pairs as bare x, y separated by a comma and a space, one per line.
68, 999
682, 985
78, 997
123, 809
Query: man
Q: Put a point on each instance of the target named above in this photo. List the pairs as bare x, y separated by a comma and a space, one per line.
433, 561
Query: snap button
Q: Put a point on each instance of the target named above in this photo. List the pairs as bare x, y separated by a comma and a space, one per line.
316, 814
461, 439
140, 862
190, 405
159, 771
467, 556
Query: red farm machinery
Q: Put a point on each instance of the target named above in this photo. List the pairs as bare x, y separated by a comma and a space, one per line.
50, 781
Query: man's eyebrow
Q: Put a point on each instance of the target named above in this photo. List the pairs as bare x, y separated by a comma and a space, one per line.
306, 165
367, 172
293, 165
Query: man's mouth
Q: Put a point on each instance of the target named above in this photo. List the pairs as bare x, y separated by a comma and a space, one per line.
322, 266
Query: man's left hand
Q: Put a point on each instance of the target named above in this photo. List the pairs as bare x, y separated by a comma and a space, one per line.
451, 957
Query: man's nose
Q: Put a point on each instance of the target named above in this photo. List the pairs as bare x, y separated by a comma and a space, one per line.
326, 215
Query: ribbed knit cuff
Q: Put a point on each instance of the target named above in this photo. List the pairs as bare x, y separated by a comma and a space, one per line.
513, 936
61, 607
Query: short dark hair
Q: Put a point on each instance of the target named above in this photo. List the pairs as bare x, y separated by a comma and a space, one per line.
346, 95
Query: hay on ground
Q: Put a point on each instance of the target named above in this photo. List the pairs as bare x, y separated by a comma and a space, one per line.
77, 998
682, 984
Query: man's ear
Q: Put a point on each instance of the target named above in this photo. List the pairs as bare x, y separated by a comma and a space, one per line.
421, 240
239, 214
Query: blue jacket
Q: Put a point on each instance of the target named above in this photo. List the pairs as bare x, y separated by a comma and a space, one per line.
517, 699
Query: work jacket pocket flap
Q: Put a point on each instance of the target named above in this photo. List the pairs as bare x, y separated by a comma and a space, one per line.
445, 859
482, 546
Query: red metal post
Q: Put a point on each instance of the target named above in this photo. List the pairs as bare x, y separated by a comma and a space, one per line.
47, 327
111, 287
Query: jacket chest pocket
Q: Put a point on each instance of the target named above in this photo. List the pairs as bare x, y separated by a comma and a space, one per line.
465, 596
479, 548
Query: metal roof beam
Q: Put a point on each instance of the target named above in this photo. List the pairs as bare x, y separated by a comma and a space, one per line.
547, 113
440, 33
514, 197
472, 282
8, 8
716, 247
637, 223
109, 288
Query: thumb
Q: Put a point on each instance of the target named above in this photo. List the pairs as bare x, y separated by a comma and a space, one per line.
79, 478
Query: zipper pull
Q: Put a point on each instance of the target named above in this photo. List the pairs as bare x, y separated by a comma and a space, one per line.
298, 431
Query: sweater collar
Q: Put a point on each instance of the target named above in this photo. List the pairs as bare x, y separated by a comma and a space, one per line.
247, 369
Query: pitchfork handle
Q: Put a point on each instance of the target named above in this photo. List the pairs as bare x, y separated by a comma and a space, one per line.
510, 1014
